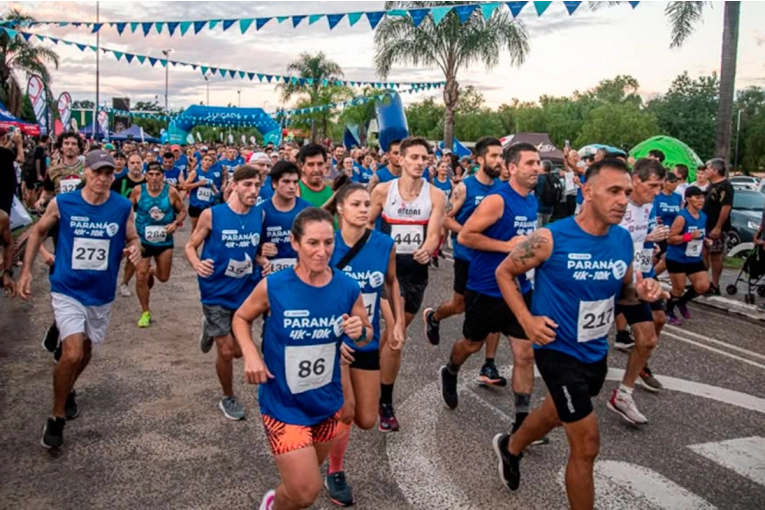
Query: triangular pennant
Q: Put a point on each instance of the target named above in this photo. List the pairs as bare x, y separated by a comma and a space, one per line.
282, 19
418, 15
81, 46
296, 20
118, 54
199, 25
141, 58
26, 35
185, 25
464, 11
152, 61
334, 19
204, 69
242, 74
222, 72
231, 73
54, 40
172, 26
96, 27
251, 76
374, 18
163, 62
133, 27
213, 70
213, 23
11, 33
63, 23
40, 37
67, 43
354, 17
228, 23
146, 28
261, 22
515, 7
396, 12
244, 24
158, 26
634, 4
129, 57
488, 9
571, 6
313, 18
541, 7
268, 78
260, 77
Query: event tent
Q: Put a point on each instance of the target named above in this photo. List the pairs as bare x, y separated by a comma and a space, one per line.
547, 150
87, 131
134, 133
676, 153
7, 121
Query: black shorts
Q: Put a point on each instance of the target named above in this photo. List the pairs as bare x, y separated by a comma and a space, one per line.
571, 383
149, 250
460, 276
487, 314
366, 360
687, 268
412, 280
662, 247
195, 212
635, 314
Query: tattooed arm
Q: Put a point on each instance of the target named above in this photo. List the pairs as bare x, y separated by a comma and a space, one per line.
454, 205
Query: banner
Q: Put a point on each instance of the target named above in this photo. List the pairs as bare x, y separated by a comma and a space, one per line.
39, 98
65, 109
103, 121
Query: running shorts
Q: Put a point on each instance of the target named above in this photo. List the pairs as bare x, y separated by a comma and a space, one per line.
366, 360
218, 320
149, 250
195, 212
285, 438
413, 280
488, 314
461, 268
72, 317
689, 268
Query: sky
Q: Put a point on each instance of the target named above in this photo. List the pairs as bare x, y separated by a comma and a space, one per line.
567, 53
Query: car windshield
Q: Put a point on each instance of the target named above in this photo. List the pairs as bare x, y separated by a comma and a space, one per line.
749, 201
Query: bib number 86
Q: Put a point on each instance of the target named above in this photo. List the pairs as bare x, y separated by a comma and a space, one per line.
306, 368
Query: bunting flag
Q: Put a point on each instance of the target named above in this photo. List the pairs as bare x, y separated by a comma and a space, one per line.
417, 15
225, 73
39, 98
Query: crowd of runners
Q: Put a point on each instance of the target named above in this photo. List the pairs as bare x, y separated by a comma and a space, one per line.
333, 251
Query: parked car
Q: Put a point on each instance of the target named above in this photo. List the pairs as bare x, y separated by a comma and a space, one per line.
745, 182
745, 217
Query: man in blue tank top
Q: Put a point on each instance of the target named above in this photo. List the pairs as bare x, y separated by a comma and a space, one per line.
390, 172
203, 185
226, 272
174, 176
95, 229
510, 211
583, 267
159, 211
464, 200
278, 214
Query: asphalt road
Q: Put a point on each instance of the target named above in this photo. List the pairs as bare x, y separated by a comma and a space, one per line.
150, 435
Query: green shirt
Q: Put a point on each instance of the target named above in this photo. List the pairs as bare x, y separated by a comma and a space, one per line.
316, 198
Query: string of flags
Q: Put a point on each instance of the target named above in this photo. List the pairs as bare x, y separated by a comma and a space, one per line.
212, 71
140, 115
418, 14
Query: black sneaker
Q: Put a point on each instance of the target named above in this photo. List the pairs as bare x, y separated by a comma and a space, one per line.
623, 341
50, 339
489, 376
340, 492
448, 388
434, 262
509, 465
388, 421
57, 353
53, 433
432, 332
71, 411
713, 291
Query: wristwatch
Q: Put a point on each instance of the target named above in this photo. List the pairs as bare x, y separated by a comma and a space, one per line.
363, 335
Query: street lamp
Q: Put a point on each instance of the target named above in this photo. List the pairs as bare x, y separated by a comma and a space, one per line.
239, 93
166, 53
207, 84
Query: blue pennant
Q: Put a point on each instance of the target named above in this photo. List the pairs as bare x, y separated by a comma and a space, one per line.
261, 22
571, 6
129, 57
146, 28
244, 24
26, 35
199, 25
634, 4
374, 18
296, 20
96, 27
541, 7
334, 19
54, 40
172, 26
152, 61
251, 76
515, 7
231, 73
464, 11
228, 23
158, 26
440, 12
213, 70
80, 46
418, 15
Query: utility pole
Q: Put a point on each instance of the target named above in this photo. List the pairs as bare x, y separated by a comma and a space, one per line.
239, 93
207, 84
98, 72
166, 53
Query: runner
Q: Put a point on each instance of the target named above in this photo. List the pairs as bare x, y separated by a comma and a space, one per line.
308, 312
411, 212
390, 172
124, 186
95, 228
262, 163
313, 188
203, 185
645, 319
279, 213
363, 173
360, 253
684, 255
442, 180
666, 205
467, 195
174, 175
7, 245
582, 267
509, 211
231, 235
159, 211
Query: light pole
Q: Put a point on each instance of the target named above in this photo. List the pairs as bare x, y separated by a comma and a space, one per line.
738, 136
239, 93
207, 84
98, 72
166, 53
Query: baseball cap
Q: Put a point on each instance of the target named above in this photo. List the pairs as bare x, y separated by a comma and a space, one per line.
693, 191
175, 147
109, 147
203, 148
259, 157
98, 159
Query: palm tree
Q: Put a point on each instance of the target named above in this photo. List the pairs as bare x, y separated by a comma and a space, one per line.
449, 45
19, 55
318, 92
362, 113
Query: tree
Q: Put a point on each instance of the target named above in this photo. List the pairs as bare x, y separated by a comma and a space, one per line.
617, 124
426, 118
18, 55
83, 104
361, 114
749, 143
450, 45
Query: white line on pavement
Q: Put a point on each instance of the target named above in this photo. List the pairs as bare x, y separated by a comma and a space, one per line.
745, 456
703, 338
712, 349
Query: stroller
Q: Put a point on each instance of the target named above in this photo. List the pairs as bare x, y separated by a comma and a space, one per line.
754, 269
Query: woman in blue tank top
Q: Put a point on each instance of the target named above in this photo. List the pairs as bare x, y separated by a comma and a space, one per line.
309, 310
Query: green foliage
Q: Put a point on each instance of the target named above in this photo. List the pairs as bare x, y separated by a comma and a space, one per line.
751, 142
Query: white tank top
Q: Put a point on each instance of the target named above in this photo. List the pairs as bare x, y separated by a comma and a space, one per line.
636, 221
405, 222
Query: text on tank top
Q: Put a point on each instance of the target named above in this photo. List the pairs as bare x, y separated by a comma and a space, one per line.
405, 222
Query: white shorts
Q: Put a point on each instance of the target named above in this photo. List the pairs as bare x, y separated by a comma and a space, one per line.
72, 317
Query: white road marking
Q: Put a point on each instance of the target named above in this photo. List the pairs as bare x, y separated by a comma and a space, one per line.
680, 331
745, 456
712, 349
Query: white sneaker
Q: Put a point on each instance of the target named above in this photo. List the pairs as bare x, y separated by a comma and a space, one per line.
624, 405
124, 291
268, 500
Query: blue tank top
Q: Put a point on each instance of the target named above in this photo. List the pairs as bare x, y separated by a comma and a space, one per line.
361, 175
445, 186
276, 229
577, 287
152, 214
384, 175
91, 239
232, 245
369, 268
266, 191
475, 192
689, 252
519, 218
171, 176
203, 196
667, 207
182, 163
301, 347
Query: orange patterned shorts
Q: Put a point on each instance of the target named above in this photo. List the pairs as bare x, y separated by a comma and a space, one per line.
285, 438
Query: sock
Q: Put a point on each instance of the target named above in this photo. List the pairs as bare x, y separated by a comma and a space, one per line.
688, 296
386, 394
626, 389
340, 445
522, 403
519, 419
453, 368
671, 304
488, 361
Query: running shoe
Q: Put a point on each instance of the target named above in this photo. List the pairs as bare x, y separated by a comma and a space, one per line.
339, 491
489, 376
231, 408
432, 326
509, 465
624, 405
434, 262
388, 421
205, 340
267, 503
448, 388
713, 291
674, 320
649, 382
145, 320
53, 433
124, 290
50, 340
624, 341
71, 410
683, 307
57, 353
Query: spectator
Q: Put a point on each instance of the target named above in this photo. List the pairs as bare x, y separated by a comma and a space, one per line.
681, 171
657, 155
717, 207
549, 192
11, 151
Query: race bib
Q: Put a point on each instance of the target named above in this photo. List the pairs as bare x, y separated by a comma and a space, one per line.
239, 268
408, 238
595, 319
694, 248
90, 254
172, 182
204, 194
369, 303
643, 258
68, 185
279, 264
155, 234
309, 367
